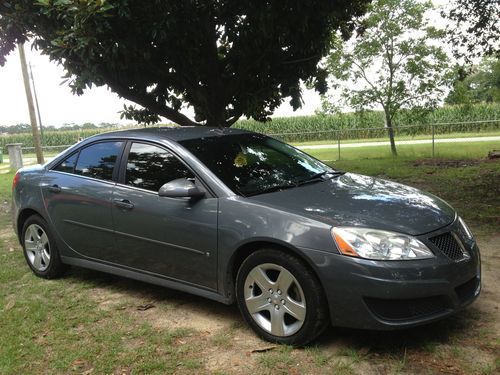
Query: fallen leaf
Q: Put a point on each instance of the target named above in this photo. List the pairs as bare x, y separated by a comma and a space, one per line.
263, 350
10, 305
145, 307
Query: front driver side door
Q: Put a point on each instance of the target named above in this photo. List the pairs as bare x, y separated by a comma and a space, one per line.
172, 237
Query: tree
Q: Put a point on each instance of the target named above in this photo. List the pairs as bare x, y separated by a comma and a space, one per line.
392, 63
224, 58
476, 84
475, 28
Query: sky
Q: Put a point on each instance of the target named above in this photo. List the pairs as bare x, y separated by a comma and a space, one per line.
58, 106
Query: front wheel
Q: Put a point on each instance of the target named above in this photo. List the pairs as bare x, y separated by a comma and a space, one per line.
280, 297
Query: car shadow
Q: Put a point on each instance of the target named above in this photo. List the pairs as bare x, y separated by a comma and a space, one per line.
142, 291
395, 342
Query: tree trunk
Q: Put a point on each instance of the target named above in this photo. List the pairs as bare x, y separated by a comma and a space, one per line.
390, 130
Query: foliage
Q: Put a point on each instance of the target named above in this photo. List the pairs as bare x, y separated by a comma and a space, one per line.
478, 84
393, 62
224, 58
26, 128
475, 29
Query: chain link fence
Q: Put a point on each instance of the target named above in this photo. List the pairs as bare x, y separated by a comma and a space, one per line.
427, 138
362, 143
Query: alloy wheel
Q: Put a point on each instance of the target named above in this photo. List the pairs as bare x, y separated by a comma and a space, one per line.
275, 299
37, 247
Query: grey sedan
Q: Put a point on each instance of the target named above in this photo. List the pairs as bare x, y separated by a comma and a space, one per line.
236, 216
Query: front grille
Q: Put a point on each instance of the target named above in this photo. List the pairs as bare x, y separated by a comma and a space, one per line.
467, 290
406, 309
449, 246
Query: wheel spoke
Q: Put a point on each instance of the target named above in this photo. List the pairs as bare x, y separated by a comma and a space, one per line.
44, 239
29, 245
37, 262
258, 276
257, 304
295, 309
36, 235
285, 280
45, 257
31, 233
277, 323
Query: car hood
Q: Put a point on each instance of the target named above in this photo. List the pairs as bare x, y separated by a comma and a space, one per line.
356, 200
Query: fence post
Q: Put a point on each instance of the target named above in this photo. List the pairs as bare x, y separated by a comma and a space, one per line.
338, 143
432, 127
15, 156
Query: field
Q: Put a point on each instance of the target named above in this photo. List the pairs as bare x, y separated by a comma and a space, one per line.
92, 323
480, 119
455, 150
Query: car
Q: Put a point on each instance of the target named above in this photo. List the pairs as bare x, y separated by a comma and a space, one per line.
240, 217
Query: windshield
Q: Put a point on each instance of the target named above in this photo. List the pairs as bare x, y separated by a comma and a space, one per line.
251, 164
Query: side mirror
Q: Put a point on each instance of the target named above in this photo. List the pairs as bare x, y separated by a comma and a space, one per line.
180, 188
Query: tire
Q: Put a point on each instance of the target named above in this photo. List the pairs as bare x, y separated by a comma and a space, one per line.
40, 249
281, 298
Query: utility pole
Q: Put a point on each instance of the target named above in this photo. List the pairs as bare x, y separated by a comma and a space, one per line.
36, 103
31, 107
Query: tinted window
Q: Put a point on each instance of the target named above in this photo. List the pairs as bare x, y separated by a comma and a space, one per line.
149, 167
98, 160
252, 164
68, 164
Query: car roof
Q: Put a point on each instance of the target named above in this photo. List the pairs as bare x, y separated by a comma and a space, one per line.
176, 134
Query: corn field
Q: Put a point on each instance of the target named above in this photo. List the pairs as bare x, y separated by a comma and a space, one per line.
326, 127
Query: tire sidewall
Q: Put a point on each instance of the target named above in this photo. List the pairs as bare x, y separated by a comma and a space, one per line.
313, 293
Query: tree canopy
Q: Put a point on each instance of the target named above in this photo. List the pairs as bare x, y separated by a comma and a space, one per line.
224, 58
394, 62
476, 84
475, 29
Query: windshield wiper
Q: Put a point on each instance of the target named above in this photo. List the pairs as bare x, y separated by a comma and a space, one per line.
318, 177
271, 189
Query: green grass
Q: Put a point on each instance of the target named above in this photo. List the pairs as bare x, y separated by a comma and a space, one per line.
384, 138
456, 150
59, 327
6, 186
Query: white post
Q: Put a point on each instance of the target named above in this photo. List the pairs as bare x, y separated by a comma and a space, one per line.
15, 156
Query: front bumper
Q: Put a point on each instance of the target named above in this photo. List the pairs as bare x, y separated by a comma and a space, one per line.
397, 294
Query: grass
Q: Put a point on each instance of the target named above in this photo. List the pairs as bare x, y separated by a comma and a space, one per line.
458, 150
56, 326
60, 326
5, 186
384, 138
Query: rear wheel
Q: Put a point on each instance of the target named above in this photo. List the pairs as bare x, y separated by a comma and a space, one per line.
280, 297
40, 250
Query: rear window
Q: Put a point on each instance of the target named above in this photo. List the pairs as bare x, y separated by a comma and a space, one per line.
98, 160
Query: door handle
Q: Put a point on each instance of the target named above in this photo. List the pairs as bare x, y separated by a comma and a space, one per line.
123, 203
55, 189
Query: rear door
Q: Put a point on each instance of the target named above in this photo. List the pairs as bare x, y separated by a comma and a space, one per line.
77, 194
171, 237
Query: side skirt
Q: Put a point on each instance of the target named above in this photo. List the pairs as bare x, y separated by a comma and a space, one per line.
146, 278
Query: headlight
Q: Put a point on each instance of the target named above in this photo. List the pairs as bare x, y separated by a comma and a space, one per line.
379, 244
465, 229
